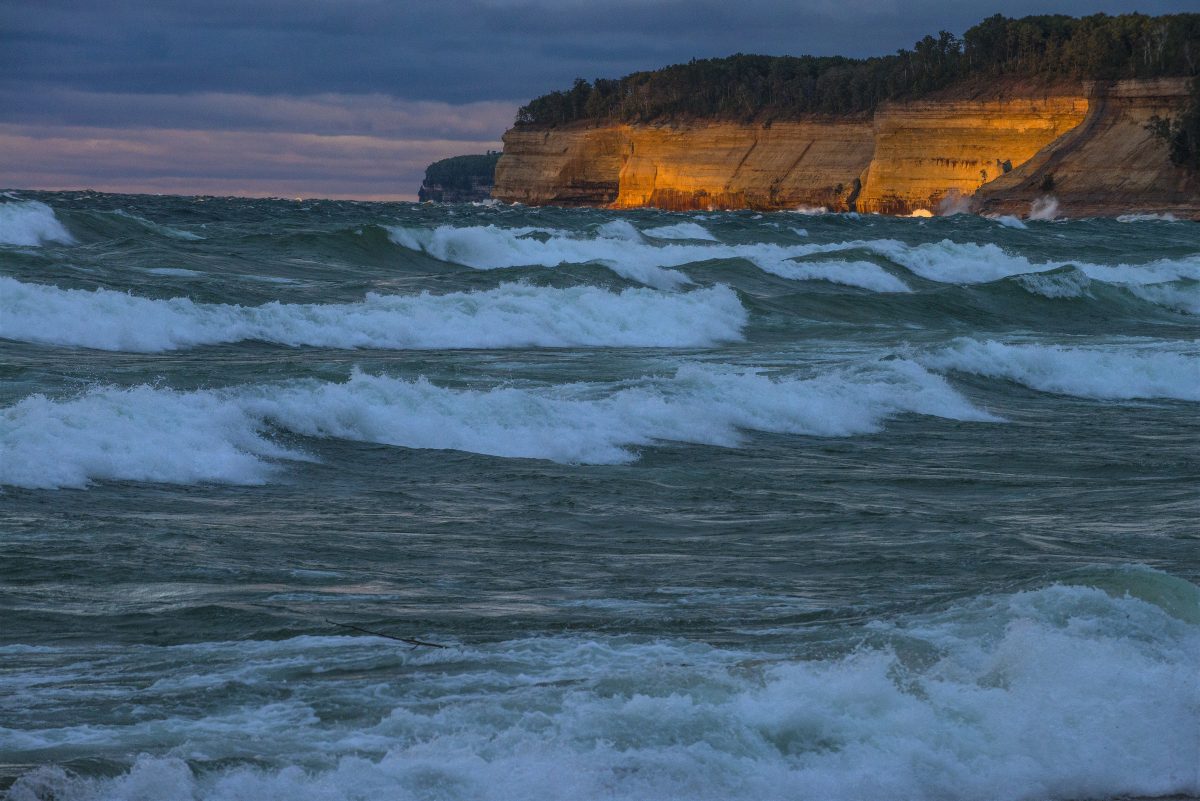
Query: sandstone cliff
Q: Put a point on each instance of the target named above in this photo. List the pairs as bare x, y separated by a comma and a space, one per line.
990, 154
930, 153
1108, 165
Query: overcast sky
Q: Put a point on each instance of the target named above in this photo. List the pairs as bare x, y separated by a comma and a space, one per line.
353, 98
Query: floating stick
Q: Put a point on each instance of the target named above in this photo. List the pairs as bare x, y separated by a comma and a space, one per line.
408, 640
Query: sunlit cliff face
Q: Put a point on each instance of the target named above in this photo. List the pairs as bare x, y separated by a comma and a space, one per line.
927, 153
933, 156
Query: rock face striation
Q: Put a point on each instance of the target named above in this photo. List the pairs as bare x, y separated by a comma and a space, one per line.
991, 155
1108, 165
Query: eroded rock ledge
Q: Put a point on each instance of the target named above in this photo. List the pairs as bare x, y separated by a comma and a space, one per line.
1088, 148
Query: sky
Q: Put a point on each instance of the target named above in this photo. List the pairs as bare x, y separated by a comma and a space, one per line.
354, 98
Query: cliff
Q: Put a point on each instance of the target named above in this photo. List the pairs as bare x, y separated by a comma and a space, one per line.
459, 179
693, 166
932, 153
1108, 165
988, 154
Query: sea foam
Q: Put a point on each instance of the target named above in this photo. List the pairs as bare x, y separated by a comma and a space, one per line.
1121, 372
971, 263
862, 274
152, 434
1066, 691
30, 223
622, 248
683, 230
625, 250
509, 316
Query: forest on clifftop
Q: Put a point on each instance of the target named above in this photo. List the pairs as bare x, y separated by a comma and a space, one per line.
751, 87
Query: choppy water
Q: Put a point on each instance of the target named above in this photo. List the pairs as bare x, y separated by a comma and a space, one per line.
716, 506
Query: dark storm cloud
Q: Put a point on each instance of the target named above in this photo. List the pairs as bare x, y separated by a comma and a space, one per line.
447, 72
455, 51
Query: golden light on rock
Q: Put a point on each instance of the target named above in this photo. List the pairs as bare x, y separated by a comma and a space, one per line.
944, 156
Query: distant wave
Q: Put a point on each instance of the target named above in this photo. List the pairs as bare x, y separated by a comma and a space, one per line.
30, 223
623, 249
510, 316
970, 263
1102, 372
862, 274
486, 247
683, 230
164, 230
1130, 218
152, 434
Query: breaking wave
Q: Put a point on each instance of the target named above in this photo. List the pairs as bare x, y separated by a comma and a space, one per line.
1102, 372
488, 248
509, 316
152, 434
971, 263
622, 248
30, 223
1181, 296
862, 274
683, 230
1081, 690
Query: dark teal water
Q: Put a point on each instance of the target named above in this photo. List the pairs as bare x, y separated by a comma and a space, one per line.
715, 506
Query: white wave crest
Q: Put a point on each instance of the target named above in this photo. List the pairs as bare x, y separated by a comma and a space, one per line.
683, 230
510, 316
1103, 372
489, 247
1059, 692
138, 434
1060, 284
1182, 296
1131, 218
861, 274
164, 230
622, 248
30, 223
971, 263
1009, 221
182, 437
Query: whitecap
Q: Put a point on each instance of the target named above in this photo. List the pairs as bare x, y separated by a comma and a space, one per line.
862, 274
1108, 372
1130, 218
31, 223
1009, 221
1070, 283
509, 316
1182, 296
683, 230
1065, 691
153, 434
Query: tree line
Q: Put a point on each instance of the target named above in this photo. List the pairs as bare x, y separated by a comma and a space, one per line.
750, 87
462, 172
